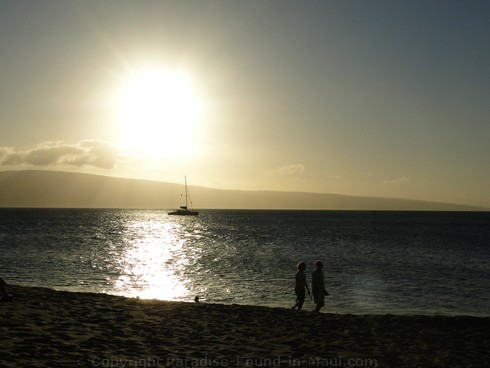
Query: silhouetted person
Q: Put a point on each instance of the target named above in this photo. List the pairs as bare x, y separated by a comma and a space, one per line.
301, 286
318, 287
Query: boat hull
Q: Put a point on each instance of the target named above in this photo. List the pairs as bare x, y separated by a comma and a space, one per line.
183, 213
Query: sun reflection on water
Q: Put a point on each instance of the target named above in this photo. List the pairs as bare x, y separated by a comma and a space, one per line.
149, 264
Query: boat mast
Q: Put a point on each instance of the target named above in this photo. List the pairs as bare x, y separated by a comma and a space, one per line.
185, 180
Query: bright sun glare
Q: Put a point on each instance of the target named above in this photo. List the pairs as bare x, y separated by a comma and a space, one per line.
158, 111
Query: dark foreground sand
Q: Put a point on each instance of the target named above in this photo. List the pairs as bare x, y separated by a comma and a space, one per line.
46, 328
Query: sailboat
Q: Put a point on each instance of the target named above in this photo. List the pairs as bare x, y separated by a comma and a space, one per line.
184, 210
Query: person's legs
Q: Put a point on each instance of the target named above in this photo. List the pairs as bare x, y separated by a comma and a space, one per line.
320, 303
300, 298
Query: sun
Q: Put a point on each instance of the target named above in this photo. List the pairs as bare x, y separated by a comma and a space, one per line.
158, 111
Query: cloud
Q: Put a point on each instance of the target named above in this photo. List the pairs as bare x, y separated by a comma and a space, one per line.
396, 181
288, 170
85, 153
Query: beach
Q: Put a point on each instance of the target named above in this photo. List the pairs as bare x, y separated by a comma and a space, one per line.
47, 328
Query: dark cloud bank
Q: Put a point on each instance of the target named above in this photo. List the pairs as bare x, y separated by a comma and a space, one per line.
94, 153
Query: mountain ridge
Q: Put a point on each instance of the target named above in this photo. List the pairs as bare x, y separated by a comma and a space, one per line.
61, 189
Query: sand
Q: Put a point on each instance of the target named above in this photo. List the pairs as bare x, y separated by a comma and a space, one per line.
47, 328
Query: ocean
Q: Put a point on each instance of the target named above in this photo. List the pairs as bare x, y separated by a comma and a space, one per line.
375, 262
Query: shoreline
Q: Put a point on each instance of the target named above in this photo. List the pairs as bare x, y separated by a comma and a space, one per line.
330, 308
48, 328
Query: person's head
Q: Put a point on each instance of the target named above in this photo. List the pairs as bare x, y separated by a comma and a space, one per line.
301, 266
319, 265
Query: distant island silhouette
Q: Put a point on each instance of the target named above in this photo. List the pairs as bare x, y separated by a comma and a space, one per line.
38, 188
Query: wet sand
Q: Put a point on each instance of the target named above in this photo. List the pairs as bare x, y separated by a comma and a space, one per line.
47, 328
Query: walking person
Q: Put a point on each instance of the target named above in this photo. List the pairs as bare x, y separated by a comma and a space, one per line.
318, 287
301, 286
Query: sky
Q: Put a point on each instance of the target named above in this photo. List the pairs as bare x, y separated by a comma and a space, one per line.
364, 98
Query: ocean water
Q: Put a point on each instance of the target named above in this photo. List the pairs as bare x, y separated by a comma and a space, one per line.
375, 262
